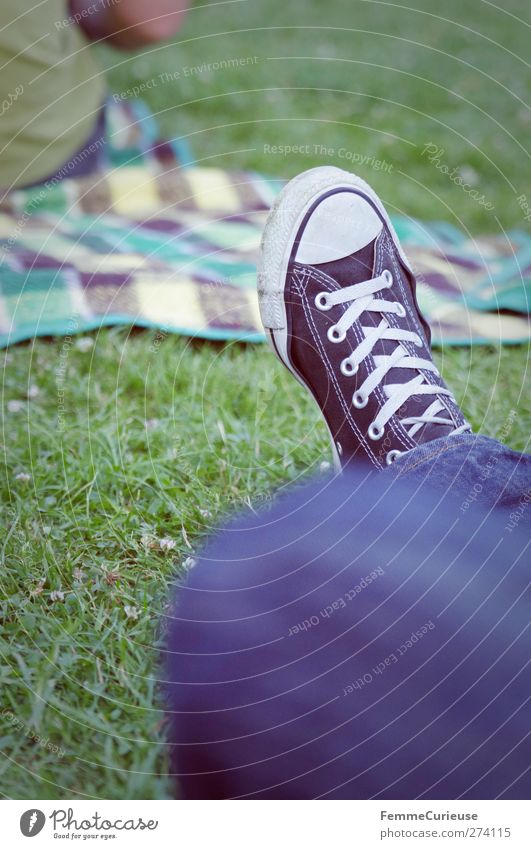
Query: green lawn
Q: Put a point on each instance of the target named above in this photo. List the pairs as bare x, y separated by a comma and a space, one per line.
160, 440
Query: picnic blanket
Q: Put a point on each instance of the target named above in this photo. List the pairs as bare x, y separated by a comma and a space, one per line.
158, 241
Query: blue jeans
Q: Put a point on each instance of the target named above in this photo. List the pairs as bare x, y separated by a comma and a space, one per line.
475, 468
365, 636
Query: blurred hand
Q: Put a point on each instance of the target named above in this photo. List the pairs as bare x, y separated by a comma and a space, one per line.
129, 24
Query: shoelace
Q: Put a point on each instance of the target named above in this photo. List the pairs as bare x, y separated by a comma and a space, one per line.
361, 296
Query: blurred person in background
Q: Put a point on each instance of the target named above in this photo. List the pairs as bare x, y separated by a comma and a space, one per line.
52, 90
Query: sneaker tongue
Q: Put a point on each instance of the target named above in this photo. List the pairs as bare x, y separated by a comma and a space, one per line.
351, 269
430, 431
356, 269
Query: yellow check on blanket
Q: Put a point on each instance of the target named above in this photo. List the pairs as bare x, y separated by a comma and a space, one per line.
157, 243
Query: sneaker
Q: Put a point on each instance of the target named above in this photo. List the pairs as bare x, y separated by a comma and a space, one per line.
337, 300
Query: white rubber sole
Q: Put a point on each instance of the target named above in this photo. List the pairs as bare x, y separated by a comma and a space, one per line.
282, 226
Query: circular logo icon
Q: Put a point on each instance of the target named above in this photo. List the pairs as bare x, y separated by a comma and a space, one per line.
31, 822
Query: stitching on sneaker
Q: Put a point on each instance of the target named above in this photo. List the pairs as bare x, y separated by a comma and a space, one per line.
403, 468
394, 423
330, 371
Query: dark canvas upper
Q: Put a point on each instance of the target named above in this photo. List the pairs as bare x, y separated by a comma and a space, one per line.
317, 360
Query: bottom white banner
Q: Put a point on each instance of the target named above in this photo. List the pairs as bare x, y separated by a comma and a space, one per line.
261, 825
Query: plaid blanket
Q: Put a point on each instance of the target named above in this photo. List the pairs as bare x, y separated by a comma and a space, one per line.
157, 242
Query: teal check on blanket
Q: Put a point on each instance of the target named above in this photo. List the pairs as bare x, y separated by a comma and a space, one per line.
154, 241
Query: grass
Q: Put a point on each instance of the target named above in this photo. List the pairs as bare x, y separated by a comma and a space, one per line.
160, 440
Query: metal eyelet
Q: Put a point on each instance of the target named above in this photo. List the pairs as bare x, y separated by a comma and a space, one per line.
334, 335
360, 400
392, 456
348, 368
388, 277
321, 302
400, 310
375, 432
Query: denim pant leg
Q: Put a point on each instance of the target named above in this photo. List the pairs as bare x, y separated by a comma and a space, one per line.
477, 469
362, 638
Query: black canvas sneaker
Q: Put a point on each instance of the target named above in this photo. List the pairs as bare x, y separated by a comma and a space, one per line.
337, 300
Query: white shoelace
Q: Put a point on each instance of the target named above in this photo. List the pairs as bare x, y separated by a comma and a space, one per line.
361, 296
